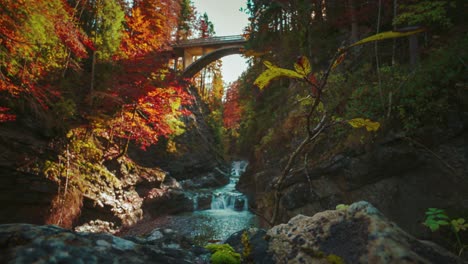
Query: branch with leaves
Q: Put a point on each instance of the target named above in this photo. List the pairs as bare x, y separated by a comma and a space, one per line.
303, 72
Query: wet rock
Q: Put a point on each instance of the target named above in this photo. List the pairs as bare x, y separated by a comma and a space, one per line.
24, 243
358, 234
258, 245
239, 204
204, 201
98, 226
210, 180
167, 201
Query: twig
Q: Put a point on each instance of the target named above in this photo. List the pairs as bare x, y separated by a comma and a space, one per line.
432, 153
260, 215
307, 172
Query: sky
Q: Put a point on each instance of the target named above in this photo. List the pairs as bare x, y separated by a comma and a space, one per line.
227, 20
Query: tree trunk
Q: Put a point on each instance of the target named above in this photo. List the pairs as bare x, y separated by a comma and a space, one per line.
395, 8
414, 50
354, 23
377, 59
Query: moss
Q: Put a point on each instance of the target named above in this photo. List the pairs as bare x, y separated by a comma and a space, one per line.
223, 254
334, 259
223, 257
246, 245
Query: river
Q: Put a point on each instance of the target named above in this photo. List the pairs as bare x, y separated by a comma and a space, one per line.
228, 213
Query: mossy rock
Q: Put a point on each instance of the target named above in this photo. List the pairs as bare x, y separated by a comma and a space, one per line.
223, 254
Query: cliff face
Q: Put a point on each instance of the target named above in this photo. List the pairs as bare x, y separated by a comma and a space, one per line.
24, 197
70, 182
402, 176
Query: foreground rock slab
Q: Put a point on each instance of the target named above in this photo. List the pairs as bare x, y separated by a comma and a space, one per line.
25, 243
357, 234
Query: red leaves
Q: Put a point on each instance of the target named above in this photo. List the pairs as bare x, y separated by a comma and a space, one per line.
73, 39
4, 117
232, 111
155, 114
34, 37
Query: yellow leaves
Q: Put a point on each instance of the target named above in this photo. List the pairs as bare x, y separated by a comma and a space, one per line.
361, 122
459, 224
274, 72
302, 70
171, 146
387, 35
302, 66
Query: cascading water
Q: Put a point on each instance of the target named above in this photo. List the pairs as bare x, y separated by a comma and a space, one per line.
228, 213
227, 197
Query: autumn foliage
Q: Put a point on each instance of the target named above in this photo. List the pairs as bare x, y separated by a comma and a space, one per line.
232, 110
97, 61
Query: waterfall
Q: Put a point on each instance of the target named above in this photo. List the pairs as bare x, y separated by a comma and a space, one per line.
227, 197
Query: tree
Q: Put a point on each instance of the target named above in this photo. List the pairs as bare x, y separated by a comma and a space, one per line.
205, 26
187, 20
150, 24
318, 118
232, 111
35, 37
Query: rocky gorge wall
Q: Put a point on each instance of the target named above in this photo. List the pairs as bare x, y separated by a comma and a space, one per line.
102, 194
401, 176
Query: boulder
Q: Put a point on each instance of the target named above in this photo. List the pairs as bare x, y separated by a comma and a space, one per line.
257, 243
25, 243
357, 234
203, 201
239, 204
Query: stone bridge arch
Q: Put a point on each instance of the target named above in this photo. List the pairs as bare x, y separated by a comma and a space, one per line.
205, 60
210, 49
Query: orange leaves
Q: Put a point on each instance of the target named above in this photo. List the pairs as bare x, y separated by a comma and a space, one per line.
149, 26
72, 38
339, 60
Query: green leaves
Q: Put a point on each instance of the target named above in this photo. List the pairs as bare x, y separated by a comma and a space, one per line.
435, 218
361, 122
342, 207
425, 12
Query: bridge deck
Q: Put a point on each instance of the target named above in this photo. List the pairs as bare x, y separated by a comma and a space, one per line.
235, 39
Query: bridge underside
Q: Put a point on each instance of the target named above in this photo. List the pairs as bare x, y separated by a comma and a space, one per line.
210, 49
205, 60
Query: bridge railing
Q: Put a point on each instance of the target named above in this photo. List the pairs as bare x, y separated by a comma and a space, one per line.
210, 41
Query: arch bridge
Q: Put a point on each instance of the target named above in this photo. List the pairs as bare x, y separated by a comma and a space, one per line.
207, 49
